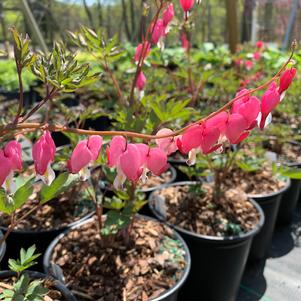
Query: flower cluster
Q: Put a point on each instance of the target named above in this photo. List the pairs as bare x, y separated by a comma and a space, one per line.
133, 161
159, 29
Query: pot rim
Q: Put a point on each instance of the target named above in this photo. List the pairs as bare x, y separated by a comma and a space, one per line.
2, 247
216, 239
170, 291
46, 231
37, 275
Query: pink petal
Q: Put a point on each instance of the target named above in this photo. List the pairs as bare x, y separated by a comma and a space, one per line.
5, 167
80, 158
13, 151
270, 99
117, 147
236, 125
43, 152
210, 137
130, 163
192, 138
94, 145
157, 161
168, 145
219, 121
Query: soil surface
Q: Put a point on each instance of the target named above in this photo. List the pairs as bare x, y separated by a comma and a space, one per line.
288, 152
154, 181
258, 182
52, 295
194, 210
55, 214
144, 270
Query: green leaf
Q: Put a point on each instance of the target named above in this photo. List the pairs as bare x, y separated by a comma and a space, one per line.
290, 172
27, 259
59, 185
22, 194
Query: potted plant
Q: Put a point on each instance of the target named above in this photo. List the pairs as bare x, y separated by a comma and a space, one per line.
122, 245
20, 284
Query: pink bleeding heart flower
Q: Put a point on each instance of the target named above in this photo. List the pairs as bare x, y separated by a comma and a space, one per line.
145, 46
210, 137
141, 81
269, 101
85, 152
219, 121
236, 126
187, 5
10, 160
131, 163
256, 56
260, 44
168, 145
191, 139
13, 151
43, 152
239, 62
168, 14
184, 41
5, 169
156, 161
249, 64
248, 107
114, 151
198, 138
286, 79
158, 30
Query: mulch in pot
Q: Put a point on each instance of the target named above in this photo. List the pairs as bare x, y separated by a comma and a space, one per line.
286, 152
154, 181
253, 183
55, 214
149, 266
198, 213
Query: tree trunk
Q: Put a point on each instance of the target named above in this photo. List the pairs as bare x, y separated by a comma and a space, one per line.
125, 20
100, 16
247, 20
133, 23
268, 18
89, 14
142, 21
232, 24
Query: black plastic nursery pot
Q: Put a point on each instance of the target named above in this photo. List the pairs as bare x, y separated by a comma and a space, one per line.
289, 200
66, 294
18, 239
176, 162
169, 295
2, 247
217, 262
269, 203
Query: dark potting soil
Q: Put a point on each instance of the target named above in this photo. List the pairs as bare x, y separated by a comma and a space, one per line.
257, 182
55, 214
52, 295
196, 211
152, 264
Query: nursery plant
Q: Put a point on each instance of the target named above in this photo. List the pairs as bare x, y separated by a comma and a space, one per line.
140, 144
20, 284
